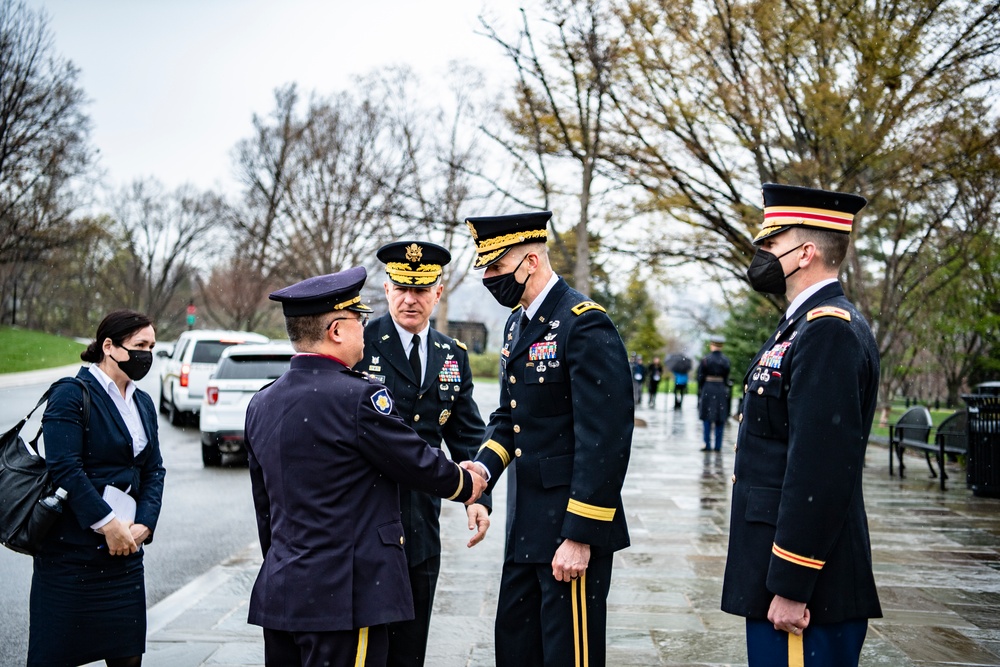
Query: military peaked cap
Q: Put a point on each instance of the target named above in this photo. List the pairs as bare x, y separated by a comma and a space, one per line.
496, 235
324, 294
790, 205
413, 263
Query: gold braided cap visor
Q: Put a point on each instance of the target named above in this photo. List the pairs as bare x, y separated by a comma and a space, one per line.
787, 216
493, 248
403, 273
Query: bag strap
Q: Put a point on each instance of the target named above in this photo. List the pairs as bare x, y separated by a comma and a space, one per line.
73, 380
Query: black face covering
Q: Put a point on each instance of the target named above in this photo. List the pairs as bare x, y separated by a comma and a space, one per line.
765, 273
137, 364
505, 288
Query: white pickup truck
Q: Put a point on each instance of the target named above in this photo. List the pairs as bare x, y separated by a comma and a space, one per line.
185, 372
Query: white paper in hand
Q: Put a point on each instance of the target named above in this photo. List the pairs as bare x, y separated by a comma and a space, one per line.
122, 504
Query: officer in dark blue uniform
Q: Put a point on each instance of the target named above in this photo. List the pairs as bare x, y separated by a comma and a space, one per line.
429, 378
799, 566
565, 423
713, 392
327, 453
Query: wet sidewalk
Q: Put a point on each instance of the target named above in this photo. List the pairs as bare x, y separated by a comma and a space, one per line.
937, 564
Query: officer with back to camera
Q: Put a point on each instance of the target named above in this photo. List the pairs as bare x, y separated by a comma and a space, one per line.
327, 453
430, 380
799, 566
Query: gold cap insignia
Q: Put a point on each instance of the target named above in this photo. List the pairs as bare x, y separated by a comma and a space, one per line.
472, 229
413, 253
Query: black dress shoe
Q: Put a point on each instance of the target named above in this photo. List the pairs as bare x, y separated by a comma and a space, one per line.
705, 449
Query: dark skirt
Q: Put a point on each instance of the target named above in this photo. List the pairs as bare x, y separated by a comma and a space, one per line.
86, 607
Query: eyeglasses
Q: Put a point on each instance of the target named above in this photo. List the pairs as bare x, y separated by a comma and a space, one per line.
362, 318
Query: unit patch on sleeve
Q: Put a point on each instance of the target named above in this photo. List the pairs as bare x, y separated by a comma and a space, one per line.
382, 401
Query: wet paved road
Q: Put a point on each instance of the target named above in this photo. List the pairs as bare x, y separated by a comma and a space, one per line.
937, 561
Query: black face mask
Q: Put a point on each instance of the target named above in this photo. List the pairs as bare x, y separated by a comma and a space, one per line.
765, 273
137, 364
505, 288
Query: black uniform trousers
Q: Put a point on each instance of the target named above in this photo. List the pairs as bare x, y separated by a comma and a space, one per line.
408, 639
539, 616
342, 648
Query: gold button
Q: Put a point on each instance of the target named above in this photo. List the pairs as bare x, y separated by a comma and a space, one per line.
517, 429
734, 479
416, 418
513, 403
402, 539
740, 418
736, 448
541, 380
419, 396
517, 452
745, 387
513, 380
760, 390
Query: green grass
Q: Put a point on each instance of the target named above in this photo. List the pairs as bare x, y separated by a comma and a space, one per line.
26, 350
897, 410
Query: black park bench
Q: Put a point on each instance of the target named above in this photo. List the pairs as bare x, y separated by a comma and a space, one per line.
913, 430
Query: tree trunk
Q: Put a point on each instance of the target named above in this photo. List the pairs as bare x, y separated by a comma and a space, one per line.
581, 272
442, 313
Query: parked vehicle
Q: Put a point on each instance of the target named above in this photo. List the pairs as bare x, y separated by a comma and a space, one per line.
186, 370
241, 373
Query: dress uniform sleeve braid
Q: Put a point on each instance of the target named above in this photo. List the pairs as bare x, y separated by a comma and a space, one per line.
603, 419
827, 438
400, 454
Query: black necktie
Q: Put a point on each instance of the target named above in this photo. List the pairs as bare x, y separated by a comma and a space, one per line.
415, 359
524, 322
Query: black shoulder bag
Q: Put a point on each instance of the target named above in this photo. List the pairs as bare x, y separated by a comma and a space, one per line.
24, 481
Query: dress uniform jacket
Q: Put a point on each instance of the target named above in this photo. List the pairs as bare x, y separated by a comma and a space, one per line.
441, 408
565, 418
798, 527
327, 452
713, 394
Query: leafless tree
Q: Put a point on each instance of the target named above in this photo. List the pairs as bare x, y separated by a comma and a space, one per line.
43, 141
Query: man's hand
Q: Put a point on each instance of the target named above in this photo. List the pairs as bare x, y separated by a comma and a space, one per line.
571, 560
119, 538
788, 615
478, 480
479, 519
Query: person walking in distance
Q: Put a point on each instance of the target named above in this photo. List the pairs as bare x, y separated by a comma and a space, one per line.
799, 567
655, 373
713, 393
565, 424
430, 380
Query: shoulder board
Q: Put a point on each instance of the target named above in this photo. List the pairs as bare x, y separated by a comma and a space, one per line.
359, 374
461, 344
584, 306
828, 311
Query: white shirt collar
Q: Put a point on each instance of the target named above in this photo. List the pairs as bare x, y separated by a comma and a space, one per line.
533, 307
804, 295
405, 337
109, 384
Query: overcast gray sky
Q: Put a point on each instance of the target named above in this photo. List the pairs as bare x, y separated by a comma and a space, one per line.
173, 84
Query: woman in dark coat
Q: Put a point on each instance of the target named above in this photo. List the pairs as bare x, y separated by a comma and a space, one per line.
88, 598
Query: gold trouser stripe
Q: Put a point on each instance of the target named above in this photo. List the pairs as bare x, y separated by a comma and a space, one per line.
359, 659
578, 597
461, 482
590, 511
497, 449
796, 654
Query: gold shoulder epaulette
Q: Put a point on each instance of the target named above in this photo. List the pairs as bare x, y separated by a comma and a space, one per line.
825, 311
584, 306
461, 344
